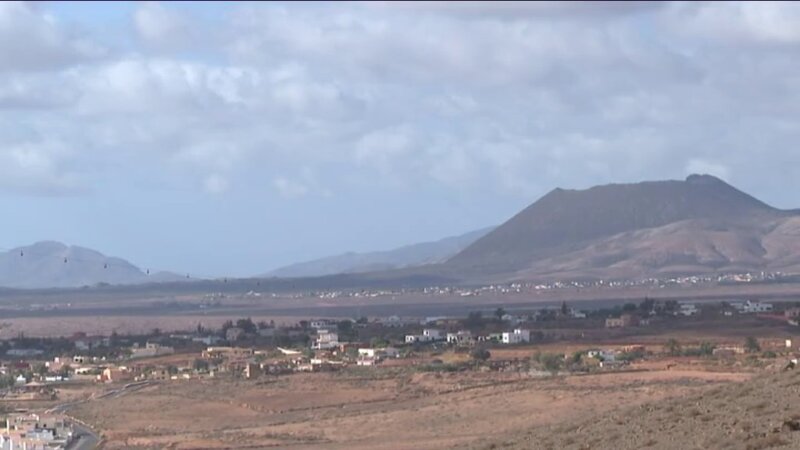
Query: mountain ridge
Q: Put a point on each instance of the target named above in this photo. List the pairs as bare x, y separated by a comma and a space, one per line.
563, 221
407, 256
53, 264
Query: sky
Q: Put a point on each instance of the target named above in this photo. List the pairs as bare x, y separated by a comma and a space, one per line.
233, 138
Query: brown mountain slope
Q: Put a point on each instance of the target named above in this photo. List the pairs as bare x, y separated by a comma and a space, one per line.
686, 247
700, 224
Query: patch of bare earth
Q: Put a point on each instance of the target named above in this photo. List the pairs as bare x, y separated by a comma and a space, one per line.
761, 413
373, 409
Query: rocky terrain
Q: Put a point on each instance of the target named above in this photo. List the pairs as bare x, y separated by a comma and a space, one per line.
758, 414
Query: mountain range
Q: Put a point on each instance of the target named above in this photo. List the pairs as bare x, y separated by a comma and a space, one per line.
50, 264
700, 225
402, 257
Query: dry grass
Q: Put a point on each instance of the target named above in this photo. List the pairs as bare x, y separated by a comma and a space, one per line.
758, 414
359, 409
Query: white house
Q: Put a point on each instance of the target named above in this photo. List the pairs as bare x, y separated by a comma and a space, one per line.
428, 335
602, 355
462, 337
575, 314
367, 352
688, 309
750, 307
432, 334
322, 323
516, 337
325, 340
151, 349
376, 354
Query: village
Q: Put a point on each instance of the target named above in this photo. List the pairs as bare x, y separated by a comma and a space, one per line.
33, 368
40, 376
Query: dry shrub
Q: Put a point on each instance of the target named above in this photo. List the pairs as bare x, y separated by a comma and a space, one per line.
758, 406
773, 440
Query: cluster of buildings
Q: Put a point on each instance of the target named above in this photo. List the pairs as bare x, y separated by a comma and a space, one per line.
517, 288
36, 432
150, 350
428, 335
689, 309
463, 338
626, 320
752, 307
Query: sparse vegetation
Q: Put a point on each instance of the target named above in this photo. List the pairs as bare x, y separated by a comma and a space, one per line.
480, 354
673, 347
751, 345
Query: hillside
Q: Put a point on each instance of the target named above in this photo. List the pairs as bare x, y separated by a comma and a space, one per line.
757, 414
53, 264
398, 258
687, 247
698, 225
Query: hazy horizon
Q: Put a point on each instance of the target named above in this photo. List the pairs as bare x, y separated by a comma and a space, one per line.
235, 138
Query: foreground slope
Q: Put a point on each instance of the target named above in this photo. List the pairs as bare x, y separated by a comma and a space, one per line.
757, 414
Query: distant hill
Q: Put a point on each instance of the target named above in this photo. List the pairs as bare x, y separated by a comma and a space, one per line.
51, 264
697, 225
402, 257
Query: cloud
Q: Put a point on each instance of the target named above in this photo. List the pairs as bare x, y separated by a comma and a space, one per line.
31, 40
215, 184
160, 26
516, 9
703, 167
304, 184
381, 149
290, 188
493, 97
37, 169
740, 22
34, 92
142, 85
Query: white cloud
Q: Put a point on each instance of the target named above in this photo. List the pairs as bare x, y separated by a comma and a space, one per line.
290, 188
36, 168
504, 97
704, 167
304, 184
34, 92
740, 23
31, 39
520, 9
382, 149
141, 85
159, 26
216, 184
